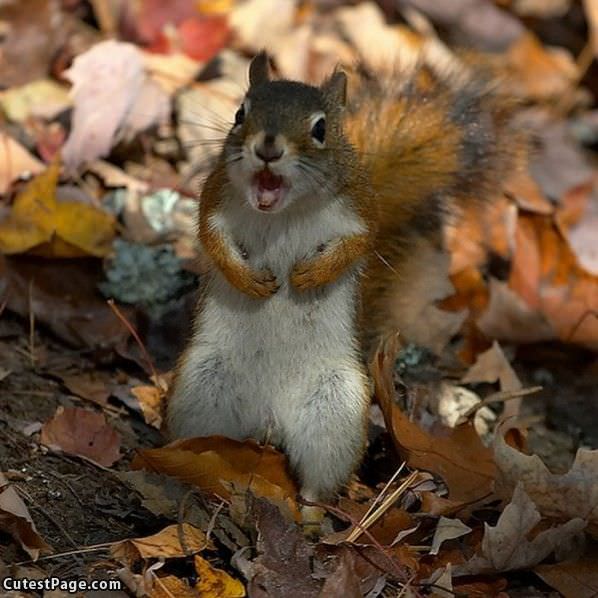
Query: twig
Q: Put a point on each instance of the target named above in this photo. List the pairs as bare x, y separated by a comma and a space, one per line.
58, 555
498, 397
31, 324
382, 492
386, 504
344, 515
133, 332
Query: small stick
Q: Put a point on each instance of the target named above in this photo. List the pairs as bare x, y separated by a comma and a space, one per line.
499, 397
386, 504
133, 332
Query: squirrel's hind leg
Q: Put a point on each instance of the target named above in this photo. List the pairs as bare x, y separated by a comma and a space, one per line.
204, 400
324, 436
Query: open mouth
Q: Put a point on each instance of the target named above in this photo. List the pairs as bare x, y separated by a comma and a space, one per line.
269, 189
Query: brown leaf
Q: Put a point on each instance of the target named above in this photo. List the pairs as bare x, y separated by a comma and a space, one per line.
448, 529
493, 366
283, 567
506, 547
15, 161
456, 454
577, 578
92, 386
215, 462
63, 295
343, 581
165, 544
563, 497
82, 433
16, 521
591, 10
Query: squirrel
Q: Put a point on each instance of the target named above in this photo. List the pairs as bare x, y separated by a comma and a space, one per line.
322, 220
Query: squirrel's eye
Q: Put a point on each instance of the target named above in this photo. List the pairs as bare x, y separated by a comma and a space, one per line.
318, 131
240, 116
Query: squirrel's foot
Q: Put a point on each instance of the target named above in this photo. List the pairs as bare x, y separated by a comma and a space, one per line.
261, 284
311, 521
305, 275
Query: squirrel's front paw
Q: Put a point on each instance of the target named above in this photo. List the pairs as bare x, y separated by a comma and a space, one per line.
262, 284
304, 276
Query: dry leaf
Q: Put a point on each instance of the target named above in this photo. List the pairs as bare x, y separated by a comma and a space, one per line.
493, 366
458, 455
216, 583
92, 386
573, 494
16, 521
39, 221
82, 433
166, 544
15, 161
577, 578
508, 317
215, 463
113, 98
151, 402
591, 10
448, 529
506, 547
43, 98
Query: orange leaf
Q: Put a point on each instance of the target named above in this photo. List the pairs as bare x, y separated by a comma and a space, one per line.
83, 433
215, 463
458, 456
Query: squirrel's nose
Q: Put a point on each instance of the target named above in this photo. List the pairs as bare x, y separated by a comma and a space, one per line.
268, 151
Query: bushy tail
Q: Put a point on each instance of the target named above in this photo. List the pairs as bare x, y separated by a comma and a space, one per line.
430, 145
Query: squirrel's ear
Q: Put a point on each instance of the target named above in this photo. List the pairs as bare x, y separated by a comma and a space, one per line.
335, 88
259, 69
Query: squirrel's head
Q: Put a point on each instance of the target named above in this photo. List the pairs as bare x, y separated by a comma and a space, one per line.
285, 141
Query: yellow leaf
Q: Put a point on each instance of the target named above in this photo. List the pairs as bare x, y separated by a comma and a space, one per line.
164, 544
214, 7
54, 228
216, 583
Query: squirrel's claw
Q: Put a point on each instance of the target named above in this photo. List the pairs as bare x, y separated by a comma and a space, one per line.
262, 284
305, 276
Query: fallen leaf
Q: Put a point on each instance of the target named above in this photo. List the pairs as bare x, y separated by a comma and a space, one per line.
166, 544
539, 73
577, 578
216, 583
546, 275
82, 433
215, 462
561, 497
577, 220
591, 10
92, 386
63, 295
506, 547
262, 24
151, 402
43, 98
457, 454
448, 529
283, 567
493, 366
113, 97
34, 33
15, 161
39, 221
16, 521
508, 317
343, 581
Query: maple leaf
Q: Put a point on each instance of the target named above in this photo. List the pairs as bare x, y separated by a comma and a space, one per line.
506, 547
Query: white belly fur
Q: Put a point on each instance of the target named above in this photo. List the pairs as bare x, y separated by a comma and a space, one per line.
254, 365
